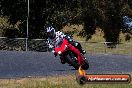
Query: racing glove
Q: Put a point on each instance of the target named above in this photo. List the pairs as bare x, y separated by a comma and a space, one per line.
55, 54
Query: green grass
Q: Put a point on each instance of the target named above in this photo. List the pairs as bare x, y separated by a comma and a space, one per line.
67, 81
125, 49
99, 47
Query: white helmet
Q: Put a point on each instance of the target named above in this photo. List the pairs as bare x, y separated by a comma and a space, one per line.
50, 32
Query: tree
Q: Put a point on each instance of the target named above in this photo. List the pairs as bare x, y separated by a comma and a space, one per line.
107, 14
16, 10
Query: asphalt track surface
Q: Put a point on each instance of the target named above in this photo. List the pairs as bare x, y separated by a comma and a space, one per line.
25, 64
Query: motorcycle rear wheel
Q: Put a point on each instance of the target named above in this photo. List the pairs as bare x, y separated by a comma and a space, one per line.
85, 66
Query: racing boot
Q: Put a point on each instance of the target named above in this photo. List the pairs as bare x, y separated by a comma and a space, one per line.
78, 45
83, 52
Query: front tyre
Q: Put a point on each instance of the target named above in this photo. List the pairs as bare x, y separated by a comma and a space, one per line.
72, 60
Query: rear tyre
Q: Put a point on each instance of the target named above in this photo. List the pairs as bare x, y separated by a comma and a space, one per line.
85, 66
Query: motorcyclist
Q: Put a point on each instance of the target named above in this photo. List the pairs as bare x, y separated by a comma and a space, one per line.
54, 38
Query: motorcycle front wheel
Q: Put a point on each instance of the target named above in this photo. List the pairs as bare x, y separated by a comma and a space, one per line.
72, 60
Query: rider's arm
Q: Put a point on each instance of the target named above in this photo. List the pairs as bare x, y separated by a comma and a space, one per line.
61, 35
50, 44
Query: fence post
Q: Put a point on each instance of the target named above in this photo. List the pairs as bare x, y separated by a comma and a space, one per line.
105, 46
26, 44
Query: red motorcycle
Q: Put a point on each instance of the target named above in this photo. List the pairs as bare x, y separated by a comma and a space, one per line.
71, 55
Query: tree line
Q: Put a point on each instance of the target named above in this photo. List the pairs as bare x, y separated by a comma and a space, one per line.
106, 14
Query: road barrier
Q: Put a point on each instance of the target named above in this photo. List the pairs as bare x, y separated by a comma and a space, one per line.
25, 44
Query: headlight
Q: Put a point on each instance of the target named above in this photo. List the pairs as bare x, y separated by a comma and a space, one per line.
66, 46
59, 52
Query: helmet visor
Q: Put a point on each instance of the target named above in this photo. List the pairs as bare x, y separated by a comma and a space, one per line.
51, 35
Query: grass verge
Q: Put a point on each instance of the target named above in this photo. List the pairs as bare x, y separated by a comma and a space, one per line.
67, 81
